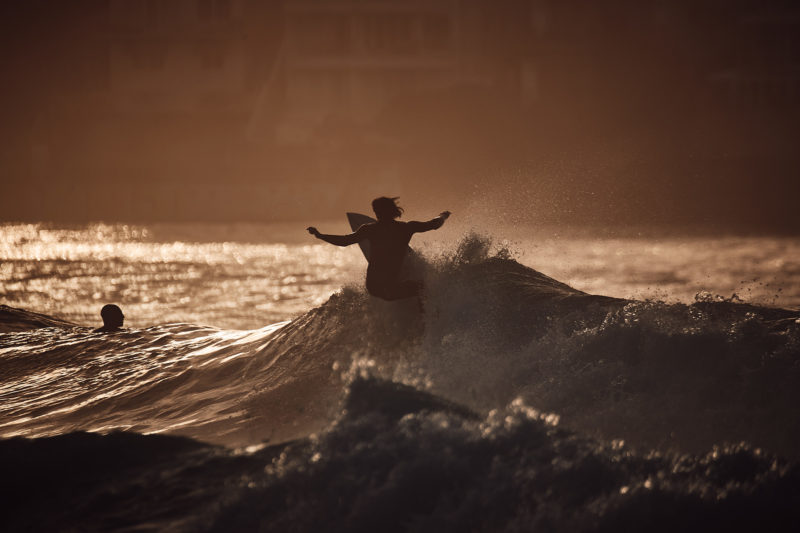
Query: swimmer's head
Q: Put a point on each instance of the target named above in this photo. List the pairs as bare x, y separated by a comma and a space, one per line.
112, 316
386, 208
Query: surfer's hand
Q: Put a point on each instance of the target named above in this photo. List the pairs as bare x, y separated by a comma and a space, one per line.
444, 215
313, 231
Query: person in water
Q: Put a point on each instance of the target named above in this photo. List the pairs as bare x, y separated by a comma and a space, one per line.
112, 319
388, 242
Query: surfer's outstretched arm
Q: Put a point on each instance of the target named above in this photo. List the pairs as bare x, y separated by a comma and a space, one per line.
340, 240
434, 223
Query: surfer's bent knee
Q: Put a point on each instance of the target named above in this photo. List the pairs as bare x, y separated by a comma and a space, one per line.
396, 291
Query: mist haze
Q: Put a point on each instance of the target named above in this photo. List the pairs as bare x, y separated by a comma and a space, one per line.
614, 113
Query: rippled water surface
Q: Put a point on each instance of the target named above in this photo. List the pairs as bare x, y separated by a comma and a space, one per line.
247, 276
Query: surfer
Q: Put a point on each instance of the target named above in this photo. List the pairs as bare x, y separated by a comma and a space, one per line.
112, 319
388, 239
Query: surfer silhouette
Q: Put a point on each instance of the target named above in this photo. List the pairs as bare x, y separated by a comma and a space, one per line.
388, 244
112, 319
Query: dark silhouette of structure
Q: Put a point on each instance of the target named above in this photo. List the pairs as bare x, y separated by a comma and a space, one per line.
112, 319
388, 239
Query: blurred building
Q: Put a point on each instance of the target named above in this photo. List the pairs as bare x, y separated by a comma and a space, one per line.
348, 59
761, 71
189, 56
289, 66
345, 61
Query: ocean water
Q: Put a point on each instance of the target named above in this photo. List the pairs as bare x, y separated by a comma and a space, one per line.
557, 383
249, 276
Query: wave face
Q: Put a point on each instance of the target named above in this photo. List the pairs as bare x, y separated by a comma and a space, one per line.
667, 376
396, 459
377, 414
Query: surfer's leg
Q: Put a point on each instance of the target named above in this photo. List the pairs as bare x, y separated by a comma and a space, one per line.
389, 288
402, 290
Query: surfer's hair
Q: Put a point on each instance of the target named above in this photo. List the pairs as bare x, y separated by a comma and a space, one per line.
386, 208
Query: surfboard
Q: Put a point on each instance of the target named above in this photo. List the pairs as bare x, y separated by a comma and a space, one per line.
357, 220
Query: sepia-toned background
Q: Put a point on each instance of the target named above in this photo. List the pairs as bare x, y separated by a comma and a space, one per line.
570, 112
